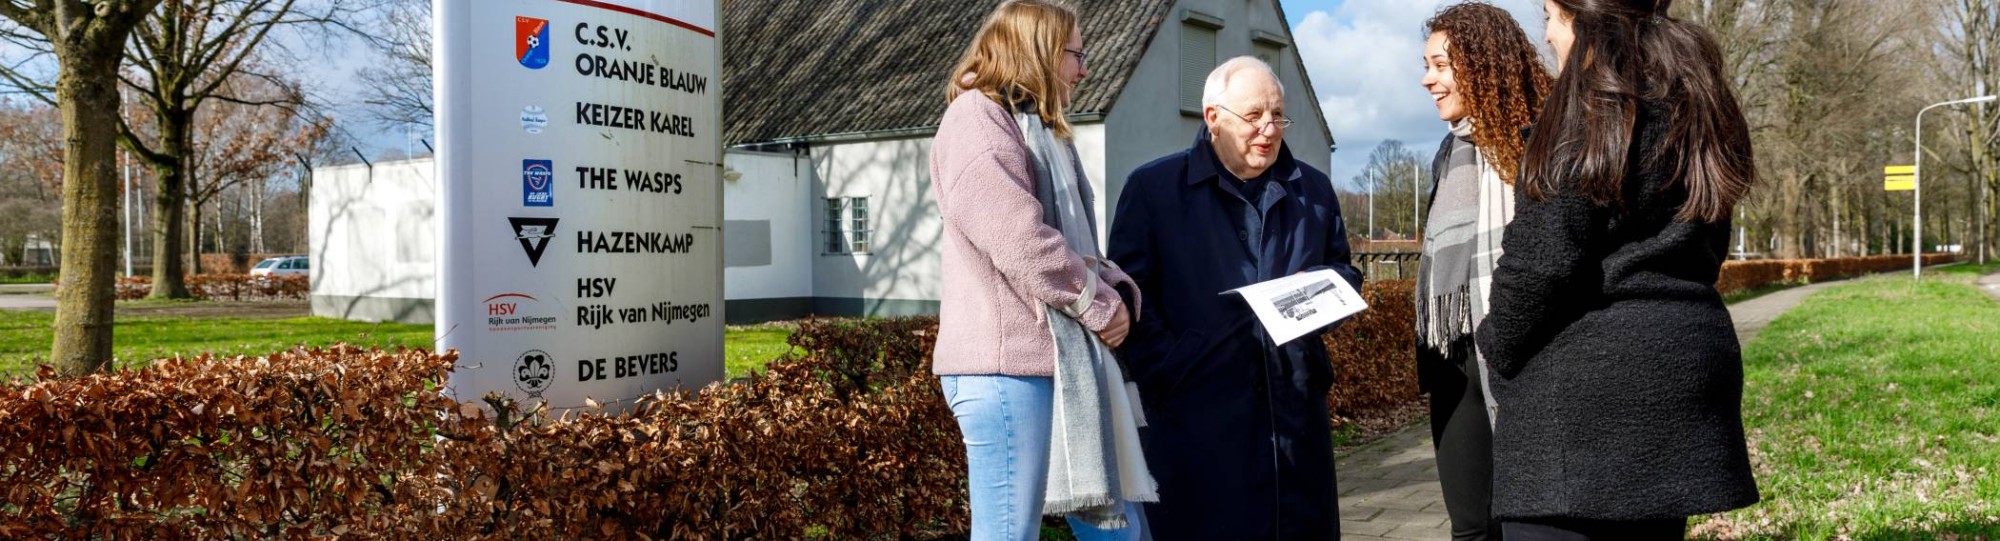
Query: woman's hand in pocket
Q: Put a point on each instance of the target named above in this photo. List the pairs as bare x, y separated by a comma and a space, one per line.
1114, 333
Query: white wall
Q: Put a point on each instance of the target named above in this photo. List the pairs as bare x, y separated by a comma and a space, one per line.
901, 273
1146, 122
768, 247
1090, 149
373, 232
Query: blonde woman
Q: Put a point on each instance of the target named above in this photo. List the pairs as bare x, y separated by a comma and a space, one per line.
1030, 308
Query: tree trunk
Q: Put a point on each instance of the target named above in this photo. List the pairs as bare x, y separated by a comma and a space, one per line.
195, 236
171, 259
302, 234
169, 237
88, 93
257, 217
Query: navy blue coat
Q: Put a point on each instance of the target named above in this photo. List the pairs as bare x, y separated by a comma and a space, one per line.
1238, 434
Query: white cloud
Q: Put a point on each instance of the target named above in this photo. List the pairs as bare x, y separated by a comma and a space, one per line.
1365, 59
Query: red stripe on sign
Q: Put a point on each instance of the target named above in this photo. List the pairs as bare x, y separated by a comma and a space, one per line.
641, 13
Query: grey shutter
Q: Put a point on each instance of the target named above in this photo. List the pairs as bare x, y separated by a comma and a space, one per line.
1197, 58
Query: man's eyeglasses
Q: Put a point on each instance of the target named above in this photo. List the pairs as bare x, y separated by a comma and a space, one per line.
1277, 121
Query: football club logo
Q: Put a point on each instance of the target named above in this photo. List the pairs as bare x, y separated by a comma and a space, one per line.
538, 183
531, 42
534, 234
533, 372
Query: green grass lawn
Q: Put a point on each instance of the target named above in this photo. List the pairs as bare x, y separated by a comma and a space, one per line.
24, 338
1974, 269
1874, 413
747, 349
25, 335
28, 279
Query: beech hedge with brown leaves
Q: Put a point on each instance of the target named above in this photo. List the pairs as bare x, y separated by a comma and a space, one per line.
358, 444
847, 438
224, 287
1740, 276
1375, 354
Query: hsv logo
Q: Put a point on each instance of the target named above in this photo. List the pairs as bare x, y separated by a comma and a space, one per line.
538, 183
511, 312
534, 234
505, 304
531, 42
533, 372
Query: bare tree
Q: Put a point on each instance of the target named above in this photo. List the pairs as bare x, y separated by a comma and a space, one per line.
239, 145
31, 147
1395, 181
86, 40
1829, 87
190, 53
399, 85
1970, 42
1819, 80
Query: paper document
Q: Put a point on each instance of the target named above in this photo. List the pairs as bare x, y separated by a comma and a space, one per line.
1292, 306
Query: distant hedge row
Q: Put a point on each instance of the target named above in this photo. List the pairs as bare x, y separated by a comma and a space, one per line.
1739, 276
233, 287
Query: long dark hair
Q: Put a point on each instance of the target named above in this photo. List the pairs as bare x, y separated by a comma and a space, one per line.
1500, 74
1625, 53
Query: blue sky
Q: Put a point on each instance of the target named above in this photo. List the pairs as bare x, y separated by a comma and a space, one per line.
1365, 61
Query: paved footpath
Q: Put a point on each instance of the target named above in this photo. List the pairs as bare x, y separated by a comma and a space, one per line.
1389, 488
1991, 285
27, 302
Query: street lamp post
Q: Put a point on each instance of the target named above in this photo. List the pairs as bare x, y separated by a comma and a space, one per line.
1416, 199
1917, 236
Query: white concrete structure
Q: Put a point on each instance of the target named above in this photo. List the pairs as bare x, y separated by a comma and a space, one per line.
373, 241
767, 250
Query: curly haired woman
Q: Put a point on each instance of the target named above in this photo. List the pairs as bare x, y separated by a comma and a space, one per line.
1488, 82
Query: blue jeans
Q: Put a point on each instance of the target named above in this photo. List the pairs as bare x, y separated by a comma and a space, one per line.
1005, 421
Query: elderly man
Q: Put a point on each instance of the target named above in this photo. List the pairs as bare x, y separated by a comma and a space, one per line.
1237, 433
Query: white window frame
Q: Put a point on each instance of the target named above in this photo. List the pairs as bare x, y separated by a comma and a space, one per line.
844, 229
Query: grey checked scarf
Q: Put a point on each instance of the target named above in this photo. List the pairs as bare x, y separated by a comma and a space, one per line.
1095, 462
1461, 248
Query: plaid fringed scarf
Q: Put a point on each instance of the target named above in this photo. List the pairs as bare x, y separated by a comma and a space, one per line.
1461, 248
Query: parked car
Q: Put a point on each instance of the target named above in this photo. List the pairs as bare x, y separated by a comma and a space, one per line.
282, 266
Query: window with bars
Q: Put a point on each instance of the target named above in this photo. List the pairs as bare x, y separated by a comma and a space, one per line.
847, 225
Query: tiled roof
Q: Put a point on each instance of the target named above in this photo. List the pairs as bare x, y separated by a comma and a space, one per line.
795, 69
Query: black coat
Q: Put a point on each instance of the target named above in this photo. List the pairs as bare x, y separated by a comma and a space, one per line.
1238, 434
1620, 379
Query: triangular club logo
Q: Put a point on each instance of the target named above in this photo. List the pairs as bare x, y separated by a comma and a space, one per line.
534, 234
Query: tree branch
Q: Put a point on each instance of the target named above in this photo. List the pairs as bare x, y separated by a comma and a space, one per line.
41, 92
244, 52
32, 16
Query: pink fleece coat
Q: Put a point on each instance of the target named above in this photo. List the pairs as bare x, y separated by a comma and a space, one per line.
1002, 264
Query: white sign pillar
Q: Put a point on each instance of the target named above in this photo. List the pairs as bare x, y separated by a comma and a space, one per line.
580, 204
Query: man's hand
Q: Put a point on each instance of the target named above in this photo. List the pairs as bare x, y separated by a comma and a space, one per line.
1114, 333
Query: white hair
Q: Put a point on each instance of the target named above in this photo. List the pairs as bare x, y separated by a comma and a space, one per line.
1217, 86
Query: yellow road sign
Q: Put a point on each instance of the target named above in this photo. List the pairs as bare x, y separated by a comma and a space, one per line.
1900, 183
1900, 170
